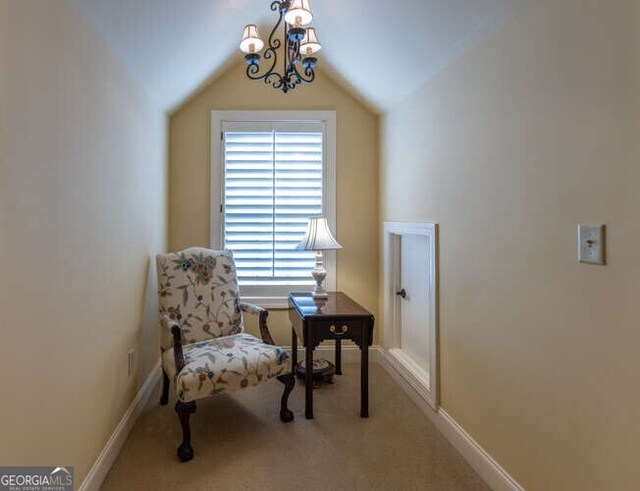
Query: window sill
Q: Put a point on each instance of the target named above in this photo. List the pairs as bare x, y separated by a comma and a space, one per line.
271, 296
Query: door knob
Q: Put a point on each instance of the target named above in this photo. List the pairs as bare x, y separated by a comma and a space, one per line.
402, 293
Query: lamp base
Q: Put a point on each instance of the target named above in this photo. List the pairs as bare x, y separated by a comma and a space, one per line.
319, 274
320, 294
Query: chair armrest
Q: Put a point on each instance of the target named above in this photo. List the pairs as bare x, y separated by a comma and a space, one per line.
251, 308
262, 320
174, 327
167, 322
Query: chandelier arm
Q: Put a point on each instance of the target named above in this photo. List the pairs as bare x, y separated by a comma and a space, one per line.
307, 76
282, 7
285, 52
275, 79
253, 70
271, 53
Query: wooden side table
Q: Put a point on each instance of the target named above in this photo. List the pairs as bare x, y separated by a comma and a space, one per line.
336, 317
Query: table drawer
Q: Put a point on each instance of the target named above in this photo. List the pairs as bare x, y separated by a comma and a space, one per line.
338, 329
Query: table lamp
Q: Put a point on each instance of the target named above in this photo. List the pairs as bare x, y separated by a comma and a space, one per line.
318, 238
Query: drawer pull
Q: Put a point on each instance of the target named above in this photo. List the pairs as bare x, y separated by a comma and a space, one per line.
333, 330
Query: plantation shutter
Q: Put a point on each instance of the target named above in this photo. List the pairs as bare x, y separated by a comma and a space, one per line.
272, 184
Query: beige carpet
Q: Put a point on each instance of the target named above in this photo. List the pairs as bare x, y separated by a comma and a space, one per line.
240, 444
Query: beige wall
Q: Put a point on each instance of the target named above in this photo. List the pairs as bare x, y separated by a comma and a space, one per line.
356, 164
527, 135
82, 207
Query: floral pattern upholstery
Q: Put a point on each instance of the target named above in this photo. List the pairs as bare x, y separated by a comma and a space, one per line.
224, 364
198, 291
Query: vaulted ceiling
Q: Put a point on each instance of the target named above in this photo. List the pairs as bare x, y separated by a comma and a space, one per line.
384, 49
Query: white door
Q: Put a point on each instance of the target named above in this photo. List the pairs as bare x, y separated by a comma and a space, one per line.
411, 268
414, 299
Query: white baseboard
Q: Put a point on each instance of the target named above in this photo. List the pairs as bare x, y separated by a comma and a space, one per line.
413, 375
107, 457
489, 470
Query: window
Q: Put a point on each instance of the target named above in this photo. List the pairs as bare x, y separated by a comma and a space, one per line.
272, 183
271, 171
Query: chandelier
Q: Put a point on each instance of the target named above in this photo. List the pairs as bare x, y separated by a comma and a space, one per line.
299, 45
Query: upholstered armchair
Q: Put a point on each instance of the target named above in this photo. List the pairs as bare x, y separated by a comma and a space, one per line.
204, 349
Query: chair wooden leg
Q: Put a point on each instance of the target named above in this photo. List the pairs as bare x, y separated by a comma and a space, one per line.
164, 398
289, 382
184, 410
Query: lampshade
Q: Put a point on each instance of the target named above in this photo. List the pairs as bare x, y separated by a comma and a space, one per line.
318, 236
251, 42
299, 13
310, 43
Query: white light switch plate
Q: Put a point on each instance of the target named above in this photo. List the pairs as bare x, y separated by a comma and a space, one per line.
591, 244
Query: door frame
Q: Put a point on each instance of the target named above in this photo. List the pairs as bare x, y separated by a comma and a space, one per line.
393, 232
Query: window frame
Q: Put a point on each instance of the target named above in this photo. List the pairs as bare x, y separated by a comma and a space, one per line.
274, 296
